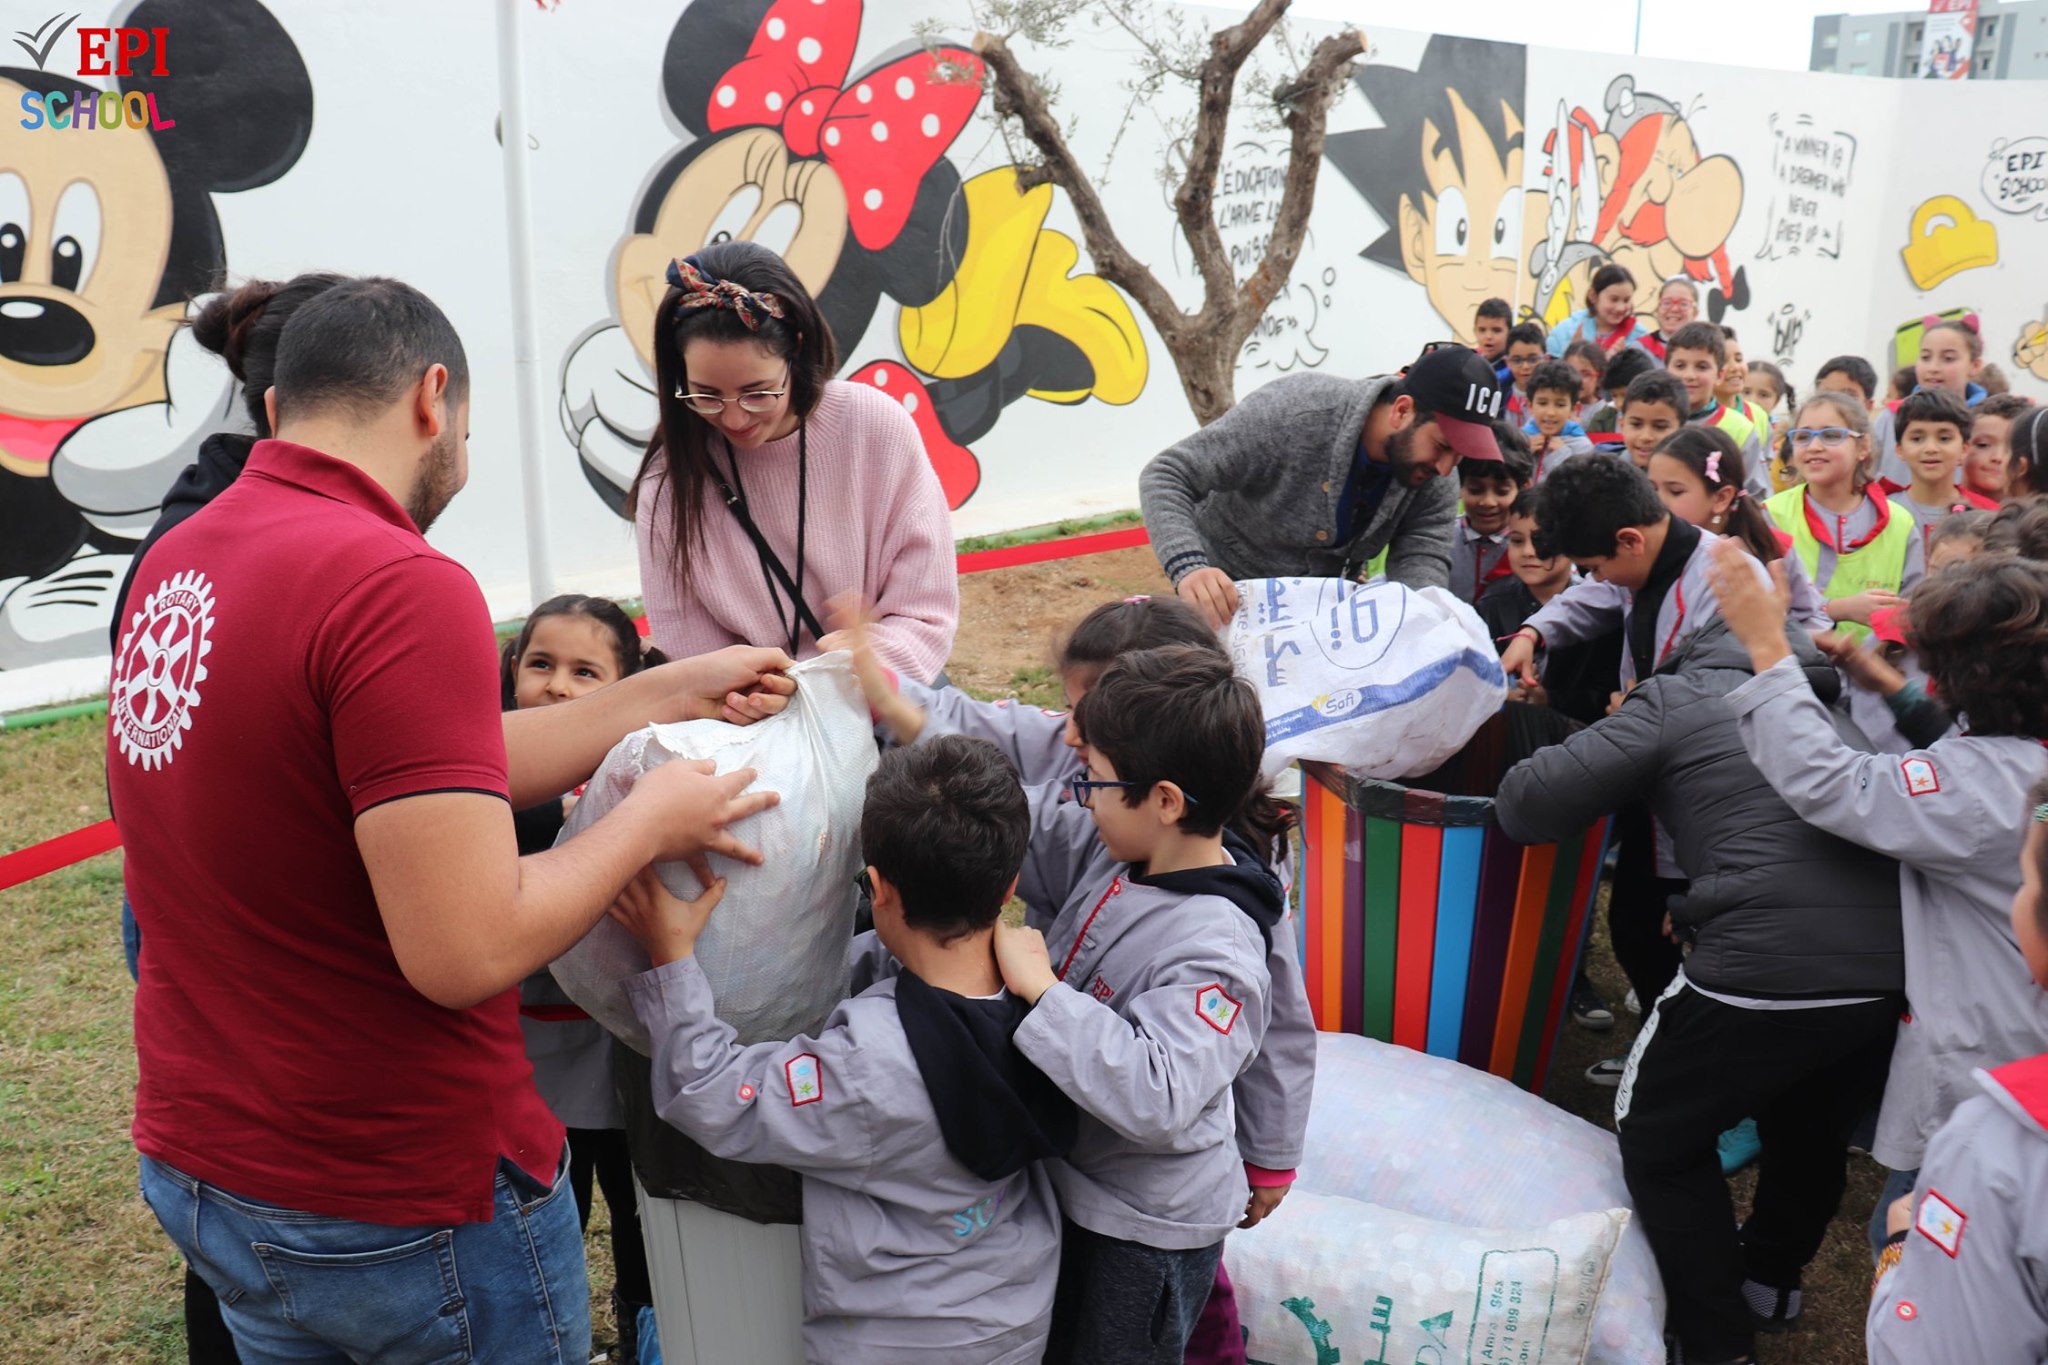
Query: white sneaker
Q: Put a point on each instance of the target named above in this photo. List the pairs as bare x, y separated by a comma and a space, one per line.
1632, 1004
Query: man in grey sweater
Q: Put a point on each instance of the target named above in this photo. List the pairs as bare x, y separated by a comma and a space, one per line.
1311, 476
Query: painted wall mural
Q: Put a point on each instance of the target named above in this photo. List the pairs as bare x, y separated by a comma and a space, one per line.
1460, 169
105, 233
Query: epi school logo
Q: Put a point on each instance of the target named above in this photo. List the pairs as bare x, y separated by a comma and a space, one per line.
158, 670
117, 52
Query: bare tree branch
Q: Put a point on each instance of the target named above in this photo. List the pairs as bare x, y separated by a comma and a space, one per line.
1194, 202
1306, 103
1204, 343
1017, 95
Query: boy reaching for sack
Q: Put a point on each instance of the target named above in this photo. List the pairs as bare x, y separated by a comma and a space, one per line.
1149, 994
914, 1120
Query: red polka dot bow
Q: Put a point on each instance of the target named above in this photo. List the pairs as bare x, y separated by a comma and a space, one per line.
881, 135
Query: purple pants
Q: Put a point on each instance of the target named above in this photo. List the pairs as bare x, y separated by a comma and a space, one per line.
1218, 1339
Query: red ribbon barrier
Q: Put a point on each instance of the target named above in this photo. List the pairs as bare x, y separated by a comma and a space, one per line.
40, 859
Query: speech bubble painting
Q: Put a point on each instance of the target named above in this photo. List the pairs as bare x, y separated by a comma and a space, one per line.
2015, 178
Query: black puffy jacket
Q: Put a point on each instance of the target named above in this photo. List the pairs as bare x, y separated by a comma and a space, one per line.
1777, 909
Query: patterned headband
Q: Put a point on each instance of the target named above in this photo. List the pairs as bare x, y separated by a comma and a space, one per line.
2041, 813
700, 292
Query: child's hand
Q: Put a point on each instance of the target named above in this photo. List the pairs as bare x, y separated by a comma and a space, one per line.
1211, 592
1899, 1216
1518, 660
768, 697
1025, 964
1755, 613
849, 615
1265, 1198
1533, 693
1866, 668
665, 925
704, 686
1860, 607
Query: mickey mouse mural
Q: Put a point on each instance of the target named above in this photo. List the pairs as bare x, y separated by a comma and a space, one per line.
105, 236
847, 178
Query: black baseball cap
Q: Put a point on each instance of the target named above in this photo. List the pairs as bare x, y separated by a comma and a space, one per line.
1458, 387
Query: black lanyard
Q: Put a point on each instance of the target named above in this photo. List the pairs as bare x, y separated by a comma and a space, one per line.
773, 571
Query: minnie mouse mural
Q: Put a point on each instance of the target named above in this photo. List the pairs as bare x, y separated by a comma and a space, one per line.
846, 178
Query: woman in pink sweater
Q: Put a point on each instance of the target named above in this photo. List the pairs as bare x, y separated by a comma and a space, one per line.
771, 487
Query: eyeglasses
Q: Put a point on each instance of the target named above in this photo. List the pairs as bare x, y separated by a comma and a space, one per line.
711, 405
1827, 436
1084, 789
865, 882
1522, 362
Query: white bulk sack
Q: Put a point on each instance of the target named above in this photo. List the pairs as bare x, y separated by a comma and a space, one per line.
1328, 1278
1430, 1137
1386, 680
774, 950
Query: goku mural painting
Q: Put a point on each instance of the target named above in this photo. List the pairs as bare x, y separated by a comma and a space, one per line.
1445, 174
846, 175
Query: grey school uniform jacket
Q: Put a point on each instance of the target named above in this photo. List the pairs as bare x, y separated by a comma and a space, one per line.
1161, 1006
909, 1255
1972, 1286
1953, 814
1588, 610
1272, 1097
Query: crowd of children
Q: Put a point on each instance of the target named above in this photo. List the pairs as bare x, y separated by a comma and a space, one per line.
1822, 706
1811, 670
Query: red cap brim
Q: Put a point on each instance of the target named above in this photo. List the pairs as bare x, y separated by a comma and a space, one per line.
1472, 440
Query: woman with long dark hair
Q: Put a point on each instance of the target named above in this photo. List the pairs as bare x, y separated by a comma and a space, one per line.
770, 487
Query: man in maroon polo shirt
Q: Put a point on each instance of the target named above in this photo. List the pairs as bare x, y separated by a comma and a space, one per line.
315, 786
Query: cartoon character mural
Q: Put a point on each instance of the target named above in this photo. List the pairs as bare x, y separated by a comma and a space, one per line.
1635, 191
1445, 173
848, 179
2030, 351
105, 234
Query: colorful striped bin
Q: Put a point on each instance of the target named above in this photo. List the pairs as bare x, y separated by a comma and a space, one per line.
1426, 926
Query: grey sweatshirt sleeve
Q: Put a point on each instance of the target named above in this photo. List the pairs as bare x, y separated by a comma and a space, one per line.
1562, 788
1419, 554
1808, 610
1584, 611
1241, 447
1858, 796
798, 1104
1983, 1300
1273, 1094
1915, 567
1033, 739
1149, 1071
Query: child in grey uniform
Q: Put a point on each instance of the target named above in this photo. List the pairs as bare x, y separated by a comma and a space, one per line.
1964, 1275
1150, 994
1272, 1097
1945, 812
917, 1125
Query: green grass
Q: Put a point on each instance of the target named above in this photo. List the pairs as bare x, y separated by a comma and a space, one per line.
1056, 530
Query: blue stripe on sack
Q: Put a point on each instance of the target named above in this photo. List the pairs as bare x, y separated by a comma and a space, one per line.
1307, 719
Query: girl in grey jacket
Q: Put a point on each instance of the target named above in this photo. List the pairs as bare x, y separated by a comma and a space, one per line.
1945, 812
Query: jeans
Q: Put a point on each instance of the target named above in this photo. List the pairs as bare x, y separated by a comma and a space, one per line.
1125, 1302
305, 1287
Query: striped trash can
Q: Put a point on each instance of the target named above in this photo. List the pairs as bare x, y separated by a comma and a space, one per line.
1424, 925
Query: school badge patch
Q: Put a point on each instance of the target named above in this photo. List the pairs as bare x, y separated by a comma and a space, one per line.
1941, 1223
746, 1092
1215, 1007
1907, 1312
806, 1079
1920, 776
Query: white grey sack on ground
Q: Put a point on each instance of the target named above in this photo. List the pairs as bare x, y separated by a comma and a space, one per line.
1424, 1135
1329, 1278
1385, 680
775, 949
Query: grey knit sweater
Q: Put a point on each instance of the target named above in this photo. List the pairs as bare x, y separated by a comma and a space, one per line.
1255, 492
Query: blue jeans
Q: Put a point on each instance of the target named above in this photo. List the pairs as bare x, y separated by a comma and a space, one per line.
305, 1287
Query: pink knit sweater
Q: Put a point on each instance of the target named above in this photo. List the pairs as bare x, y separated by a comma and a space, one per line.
877, 522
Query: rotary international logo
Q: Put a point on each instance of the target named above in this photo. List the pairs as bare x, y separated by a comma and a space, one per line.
158, 671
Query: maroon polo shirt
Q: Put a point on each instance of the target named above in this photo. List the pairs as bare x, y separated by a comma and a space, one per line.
296, 654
